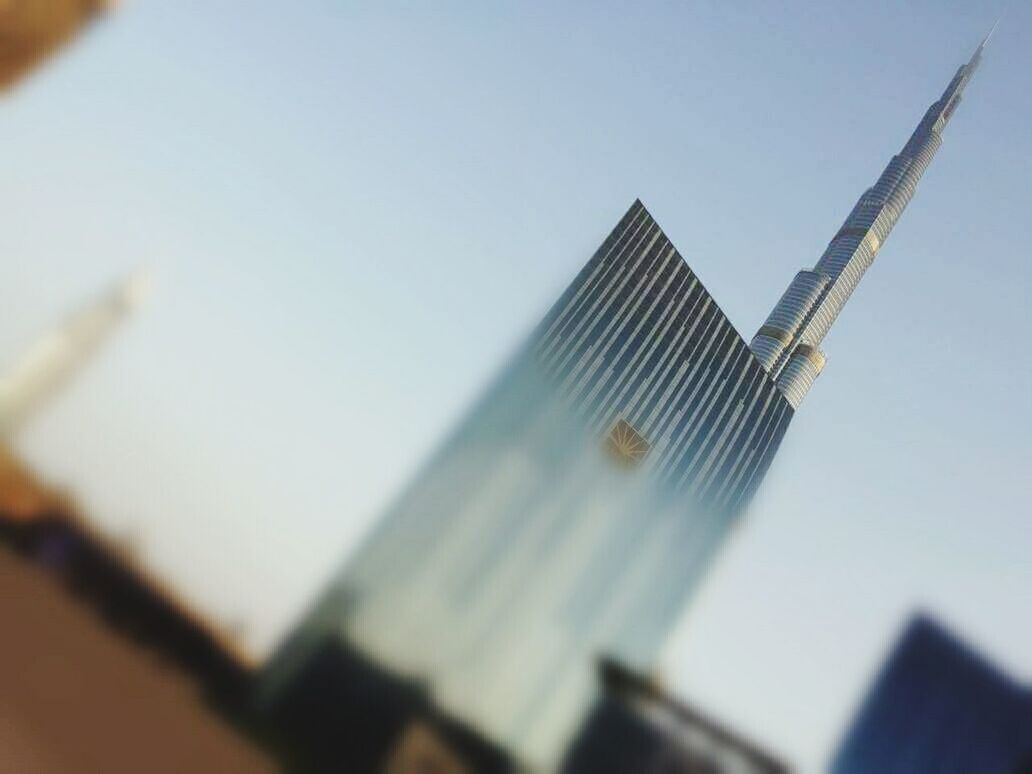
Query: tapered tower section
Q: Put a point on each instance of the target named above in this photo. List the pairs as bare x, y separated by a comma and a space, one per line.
788, 343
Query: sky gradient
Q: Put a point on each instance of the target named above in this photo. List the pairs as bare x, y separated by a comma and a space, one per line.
354, 212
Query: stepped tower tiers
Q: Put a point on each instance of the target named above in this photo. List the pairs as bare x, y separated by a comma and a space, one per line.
788, 343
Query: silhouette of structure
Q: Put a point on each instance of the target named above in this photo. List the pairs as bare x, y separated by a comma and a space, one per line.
939, 707
45, 528
80, 696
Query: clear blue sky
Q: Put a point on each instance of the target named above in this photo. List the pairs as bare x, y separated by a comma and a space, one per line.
355, 212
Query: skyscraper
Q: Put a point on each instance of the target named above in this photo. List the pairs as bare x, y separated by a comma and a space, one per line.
575, 508
579, 504
788, 344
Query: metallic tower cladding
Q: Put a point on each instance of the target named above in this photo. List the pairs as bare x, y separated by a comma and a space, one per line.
788, 343
572, 512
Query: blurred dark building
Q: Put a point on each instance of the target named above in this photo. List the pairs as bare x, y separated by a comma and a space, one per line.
344, 712
939, 707
32, 30
355, 716
638, 727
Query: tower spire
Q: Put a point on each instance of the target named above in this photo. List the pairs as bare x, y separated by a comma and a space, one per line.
985, 40
788, 343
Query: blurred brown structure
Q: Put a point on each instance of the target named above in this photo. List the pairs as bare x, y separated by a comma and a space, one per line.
22, 498
31, 30
45, 528
77, 697
102, 668
938, 705
420, 750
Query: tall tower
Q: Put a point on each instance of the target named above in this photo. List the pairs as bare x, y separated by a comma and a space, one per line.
54, 359
571, 514
788, 344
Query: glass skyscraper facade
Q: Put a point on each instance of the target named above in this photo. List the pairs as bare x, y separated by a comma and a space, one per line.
577, 507
574, 510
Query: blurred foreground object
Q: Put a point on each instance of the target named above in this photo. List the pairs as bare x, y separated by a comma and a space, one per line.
101, 667
638, 727
32, 30
22, 497
939, 707
45, 529
354, 715
58, 355
78, 698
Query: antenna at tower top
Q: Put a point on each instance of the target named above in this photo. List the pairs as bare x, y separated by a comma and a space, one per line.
995, 25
